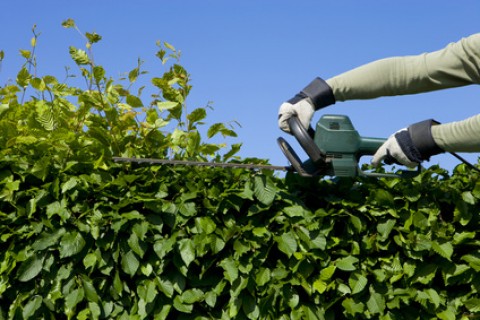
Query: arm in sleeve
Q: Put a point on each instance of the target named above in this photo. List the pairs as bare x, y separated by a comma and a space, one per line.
460, 136
458, 64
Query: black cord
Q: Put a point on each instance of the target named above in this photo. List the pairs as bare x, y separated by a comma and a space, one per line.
471, 166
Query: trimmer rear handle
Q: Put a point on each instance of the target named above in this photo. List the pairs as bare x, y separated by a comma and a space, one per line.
306, 140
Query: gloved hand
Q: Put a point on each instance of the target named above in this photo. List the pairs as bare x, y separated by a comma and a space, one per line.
315, 96
303, 109
409, 146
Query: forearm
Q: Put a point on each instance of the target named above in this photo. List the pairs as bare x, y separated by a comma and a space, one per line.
456, 65
461, 136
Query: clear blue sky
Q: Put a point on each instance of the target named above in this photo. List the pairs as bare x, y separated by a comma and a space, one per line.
247, 57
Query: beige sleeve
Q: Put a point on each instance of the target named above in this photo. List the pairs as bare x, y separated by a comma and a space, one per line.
461, 136
458, 64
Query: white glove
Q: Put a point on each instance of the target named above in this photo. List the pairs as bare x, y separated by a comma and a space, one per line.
409, 146
303, 109
391, 152
316, 95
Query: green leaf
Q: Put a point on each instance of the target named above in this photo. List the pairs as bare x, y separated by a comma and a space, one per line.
169, 46
205, 225
3, 108
70, 184
33, 305
287, 243
23, 77
147, 291
133, 75
71, 244
89, 289
385, 228
130, 263
347, 263
27, 54
319, 285
99, 74
230, 269
187, 251
182, 307
166, 105
134, 101
383, 197
90, 260
352, 307
188, 209
473, 260
79, 56
295, 211
220, 128
27, 140
461, 237
357, 282
264, 190
48, 239
446, 315
166, 287
327, 273
311, 312
434, 297
444, 249
117, 284
165, 310
376, 303
357, 223
235, 148
93, 37
38, 83
214, 129
319, 242
262, 277
468, 197
134, 244
91, 312
196, 115
30, 268
191, 296
425, 273
210, 299
251, 308
74, 298
473, 305
69, 23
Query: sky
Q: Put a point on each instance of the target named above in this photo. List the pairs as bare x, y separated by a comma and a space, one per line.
246, 57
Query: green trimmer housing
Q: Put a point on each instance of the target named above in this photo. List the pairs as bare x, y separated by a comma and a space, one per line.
334, 148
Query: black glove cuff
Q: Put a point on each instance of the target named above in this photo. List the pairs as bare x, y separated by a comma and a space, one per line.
408, 147
421, 134
319, 93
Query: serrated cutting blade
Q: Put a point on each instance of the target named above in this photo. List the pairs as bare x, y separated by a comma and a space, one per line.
251, 166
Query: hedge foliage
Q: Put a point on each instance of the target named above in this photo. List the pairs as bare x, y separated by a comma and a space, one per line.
83, 237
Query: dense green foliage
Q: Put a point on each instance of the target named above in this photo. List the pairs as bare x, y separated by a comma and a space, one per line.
83, 237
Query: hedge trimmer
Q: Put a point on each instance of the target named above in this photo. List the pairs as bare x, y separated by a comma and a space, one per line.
334, 149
